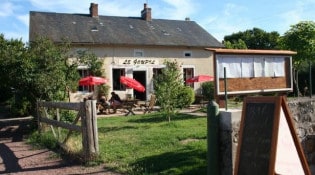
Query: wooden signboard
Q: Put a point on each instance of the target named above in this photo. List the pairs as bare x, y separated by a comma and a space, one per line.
262, 148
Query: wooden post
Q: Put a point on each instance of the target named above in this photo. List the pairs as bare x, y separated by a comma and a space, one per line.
213, 167
89, 130
38, 118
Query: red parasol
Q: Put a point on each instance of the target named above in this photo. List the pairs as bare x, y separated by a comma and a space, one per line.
200, 78
132, 83
91, 80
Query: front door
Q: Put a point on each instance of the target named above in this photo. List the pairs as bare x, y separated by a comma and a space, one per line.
141, 77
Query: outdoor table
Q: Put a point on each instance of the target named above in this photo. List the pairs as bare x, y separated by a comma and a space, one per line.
129, 105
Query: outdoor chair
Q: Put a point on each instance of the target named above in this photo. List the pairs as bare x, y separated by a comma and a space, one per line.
149, 105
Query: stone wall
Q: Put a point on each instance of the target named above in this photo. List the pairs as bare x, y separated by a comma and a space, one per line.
302, 110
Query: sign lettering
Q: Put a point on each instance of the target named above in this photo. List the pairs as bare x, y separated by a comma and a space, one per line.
138, 61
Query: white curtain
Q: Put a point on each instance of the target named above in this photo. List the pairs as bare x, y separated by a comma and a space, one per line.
259, 66
247, 67
232, 66
255, 66
278, 66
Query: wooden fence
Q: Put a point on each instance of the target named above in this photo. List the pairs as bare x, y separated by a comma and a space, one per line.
86, 114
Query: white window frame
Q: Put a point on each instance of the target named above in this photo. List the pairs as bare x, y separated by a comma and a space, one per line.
84, 68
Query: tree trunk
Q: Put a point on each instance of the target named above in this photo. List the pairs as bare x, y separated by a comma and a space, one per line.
296, 82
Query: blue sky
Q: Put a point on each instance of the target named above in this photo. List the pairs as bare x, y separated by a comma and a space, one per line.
218, 17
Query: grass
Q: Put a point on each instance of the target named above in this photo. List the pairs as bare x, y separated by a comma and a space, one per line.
149, 144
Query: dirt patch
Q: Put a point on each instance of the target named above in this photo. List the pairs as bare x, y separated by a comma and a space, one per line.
184, 142
18, 157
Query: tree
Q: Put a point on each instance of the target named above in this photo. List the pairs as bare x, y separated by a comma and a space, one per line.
254, 39
79, 58
40, 71
41, 74
239, 44
10, 53
300, 38
168, 85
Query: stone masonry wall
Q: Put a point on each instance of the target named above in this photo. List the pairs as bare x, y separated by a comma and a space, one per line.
302, 110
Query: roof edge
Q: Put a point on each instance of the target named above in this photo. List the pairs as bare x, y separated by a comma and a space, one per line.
252, 51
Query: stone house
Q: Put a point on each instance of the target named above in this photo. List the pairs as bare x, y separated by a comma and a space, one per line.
130, 46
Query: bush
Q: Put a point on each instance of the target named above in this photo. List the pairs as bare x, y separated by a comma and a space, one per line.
185, 97
44, 140
208, 90
20, 106
68, 116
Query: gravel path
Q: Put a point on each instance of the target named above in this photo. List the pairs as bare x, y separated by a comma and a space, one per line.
18, 157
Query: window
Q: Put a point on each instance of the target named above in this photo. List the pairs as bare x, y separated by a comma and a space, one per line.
84, 73
138, 53
187, 54
156, 72
188, 73
116, 79
256, 66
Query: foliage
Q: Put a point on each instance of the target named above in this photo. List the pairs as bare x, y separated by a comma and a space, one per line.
67, 116
12, 52
186, 96
41, 140
95, 65
254, 39
239, 44
40, 71
89, 59
300, 38
104, 90
137, 145
20, 105
167, 88
208, 90
40, 74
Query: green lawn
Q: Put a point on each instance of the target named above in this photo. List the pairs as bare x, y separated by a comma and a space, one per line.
149, 144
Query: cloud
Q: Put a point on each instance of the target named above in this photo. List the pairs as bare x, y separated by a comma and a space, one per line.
231, 9
229, 20
24, 19
300, 11
177, 9
62, 6
105, 7
6, 9
114, 8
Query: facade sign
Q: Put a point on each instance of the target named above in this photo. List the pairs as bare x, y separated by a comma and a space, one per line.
138, 61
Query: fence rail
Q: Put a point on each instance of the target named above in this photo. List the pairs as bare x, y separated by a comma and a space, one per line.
88, 128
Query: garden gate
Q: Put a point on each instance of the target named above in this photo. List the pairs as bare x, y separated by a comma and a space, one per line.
49, 113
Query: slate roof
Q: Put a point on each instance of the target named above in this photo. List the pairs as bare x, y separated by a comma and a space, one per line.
113, 30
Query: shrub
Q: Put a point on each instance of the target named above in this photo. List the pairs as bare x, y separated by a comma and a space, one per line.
186, 97
20, 106
208, 90
67, 116
44, 140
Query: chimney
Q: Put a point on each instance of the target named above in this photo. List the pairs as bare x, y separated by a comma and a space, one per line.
94, 10
146, 13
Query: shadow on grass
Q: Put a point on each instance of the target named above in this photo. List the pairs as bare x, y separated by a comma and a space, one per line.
116, 128
184, 162
158, 117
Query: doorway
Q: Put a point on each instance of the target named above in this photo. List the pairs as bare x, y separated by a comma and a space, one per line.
141, 77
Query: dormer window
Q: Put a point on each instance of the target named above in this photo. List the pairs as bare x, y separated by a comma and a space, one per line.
138, 53
187, 54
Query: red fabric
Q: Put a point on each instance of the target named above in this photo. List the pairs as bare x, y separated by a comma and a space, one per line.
200, 78
90, 80
132, 83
